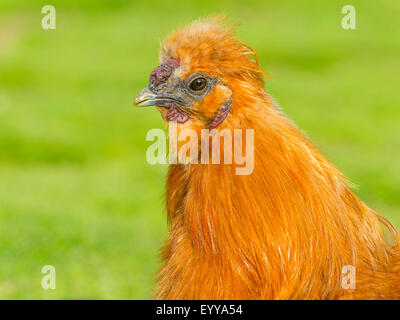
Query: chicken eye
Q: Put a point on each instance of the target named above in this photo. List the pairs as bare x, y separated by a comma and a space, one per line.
198, 84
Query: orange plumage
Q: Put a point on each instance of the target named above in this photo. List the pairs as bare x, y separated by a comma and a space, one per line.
283, 232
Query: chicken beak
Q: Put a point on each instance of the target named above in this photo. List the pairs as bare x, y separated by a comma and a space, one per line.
146, 98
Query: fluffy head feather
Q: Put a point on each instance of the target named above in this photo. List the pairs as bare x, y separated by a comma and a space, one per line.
206, 45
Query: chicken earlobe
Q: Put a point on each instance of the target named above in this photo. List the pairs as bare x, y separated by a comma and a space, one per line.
222, 113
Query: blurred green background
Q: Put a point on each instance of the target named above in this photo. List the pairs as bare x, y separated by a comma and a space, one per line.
76, 191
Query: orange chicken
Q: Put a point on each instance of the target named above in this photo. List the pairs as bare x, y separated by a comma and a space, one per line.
289, 228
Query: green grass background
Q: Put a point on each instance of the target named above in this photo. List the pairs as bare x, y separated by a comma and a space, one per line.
76, 191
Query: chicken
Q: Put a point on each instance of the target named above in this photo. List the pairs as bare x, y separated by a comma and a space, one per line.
287, 230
